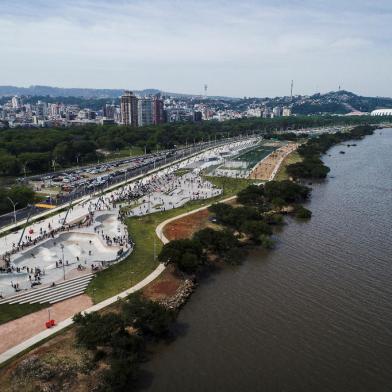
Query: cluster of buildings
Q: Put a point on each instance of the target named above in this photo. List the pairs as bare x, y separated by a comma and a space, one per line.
265, 112
16, 113
131, 110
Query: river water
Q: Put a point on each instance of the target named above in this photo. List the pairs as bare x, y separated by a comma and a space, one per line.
315, 314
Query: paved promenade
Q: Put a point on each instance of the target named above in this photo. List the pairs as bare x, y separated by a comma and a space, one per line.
39, 337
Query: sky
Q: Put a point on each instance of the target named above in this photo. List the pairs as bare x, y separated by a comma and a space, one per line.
238, 48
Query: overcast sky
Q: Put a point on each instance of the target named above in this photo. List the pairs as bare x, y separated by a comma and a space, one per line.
237, 48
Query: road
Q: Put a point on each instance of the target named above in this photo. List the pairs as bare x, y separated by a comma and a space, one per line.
170, 156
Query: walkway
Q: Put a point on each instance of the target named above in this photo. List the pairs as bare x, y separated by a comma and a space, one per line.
17, 331
39, 337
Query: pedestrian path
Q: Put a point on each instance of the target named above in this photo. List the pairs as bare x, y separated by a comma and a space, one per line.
52, 294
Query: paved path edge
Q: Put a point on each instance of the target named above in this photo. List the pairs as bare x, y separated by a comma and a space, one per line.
33, 341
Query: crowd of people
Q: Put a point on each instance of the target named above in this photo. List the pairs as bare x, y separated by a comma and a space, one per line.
44, 234
163, 192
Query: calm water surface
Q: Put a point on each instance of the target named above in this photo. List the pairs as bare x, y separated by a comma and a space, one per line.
315, 314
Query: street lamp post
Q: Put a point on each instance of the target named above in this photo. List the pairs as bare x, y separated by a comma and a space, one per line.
24, 169
14, 206
62, 252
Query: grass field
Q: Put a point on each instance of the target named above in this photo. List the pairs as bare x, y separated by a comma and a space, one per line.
10, 312
294, 157
140, 262
181, 172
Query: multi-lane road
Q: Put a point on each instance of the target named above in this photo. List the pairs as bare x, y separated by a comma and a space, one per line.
143, 164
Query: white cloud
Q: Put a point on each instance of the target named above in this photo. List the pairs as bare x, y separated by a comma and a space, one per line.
238, 48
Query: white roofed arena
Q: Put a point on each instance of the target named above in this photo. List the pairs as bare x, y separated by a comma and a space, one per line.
381, 112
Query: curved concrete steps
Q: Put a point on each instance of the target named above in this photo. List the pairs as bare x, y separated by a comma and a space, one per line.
59, 292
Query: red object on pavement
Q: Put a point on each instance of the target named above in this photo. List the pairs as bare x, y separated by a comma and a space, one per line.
50, 323
31, 231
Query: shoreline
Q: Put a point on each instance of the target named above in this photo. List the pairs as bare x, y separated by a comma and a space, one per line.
160, 228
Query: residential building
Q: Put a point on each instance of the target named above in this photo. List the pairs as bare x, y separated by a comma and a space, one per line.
145, 111
129, 109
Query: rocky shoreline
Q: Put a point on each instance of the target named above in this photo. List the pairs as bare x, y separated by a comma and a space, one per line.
181, 296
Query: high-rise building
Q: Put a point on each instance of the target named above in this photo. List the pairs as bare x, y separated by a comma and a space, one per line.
157, 110
16, 102
286, 112
145, 111
108, 111
277, 111
54, 109
197, 116
129, 109
41, 109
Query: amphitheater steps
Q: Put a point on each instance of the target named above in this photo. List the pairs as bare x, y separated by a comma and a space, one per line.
59, 292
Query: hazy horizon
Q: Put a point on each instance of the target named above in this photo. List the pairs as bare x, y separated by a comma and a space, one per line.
252, 48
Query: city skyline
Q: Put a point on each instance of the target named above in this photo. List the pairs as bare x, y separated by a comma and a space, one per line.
250, 49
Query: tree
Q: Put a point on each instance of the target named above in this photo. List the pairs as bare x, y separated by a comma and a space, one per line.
121, 376
21, 195
254, 229
216, 241
186, 254
252, 195
95, 330
303, 213
288, 191
150, 318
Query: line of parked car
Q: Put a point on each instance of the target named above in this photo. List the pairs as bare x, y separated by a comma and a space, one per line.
90, 177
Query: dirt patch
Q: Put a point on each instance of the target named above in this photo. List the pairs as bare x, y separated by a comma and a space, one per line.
39, 369
165, 286
266, 168
185, 227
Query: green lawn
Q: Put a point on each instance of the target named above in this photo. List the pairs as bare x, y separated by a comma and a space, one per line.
10, 312
230, 186
140, 262
181, 172
294, 157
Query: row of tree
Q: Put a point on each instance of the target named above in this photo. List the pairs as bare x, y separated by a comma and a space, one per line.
34, 150
312, 165
17, 195
252, 221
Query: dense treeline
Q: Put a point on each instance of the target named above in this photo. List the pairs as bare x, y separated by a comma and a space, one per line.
312, 165
34, 150
118, 340
251, 222
20, 195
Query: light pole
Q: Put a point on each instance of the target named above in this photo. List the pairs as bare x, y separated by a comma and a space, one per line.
24, 169
13, 205
62, 252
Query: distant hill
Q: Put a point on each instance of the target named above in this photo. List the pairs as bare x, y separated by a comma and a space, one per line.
69, 92
89, 93
334, 102
338, 102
